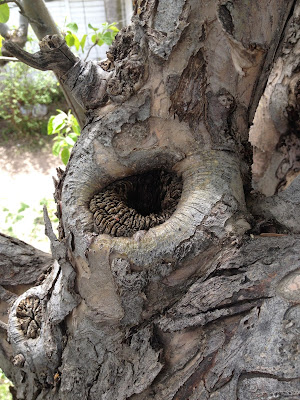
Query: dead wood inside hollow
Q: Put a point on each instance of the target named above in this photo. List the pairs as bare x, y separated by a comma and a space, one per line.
136, 203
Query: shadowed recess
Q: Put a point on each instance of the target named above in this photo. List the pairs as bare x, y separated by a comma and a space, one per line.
136, 203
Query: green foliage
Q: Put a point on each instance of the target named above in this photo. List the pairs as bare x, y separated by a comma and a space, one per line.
4, 13
65, 126
21, 90
12, 218
38, 222
99, 36
106, 35
4, 387
67, 130
27, 222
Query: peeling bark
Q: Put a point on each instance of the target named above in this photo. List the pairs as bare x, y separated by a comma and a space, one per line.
275, 133
194, 307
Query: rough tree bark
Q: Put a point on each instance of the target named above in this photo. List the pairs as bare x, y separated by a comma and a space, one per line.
171, 279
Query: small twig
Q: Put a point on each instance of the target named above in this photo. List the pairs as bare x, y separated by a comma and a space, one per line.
88, 53
9, 58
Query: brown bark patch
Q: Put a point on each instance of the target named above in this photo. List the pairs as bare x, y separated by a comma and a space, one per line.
188, 100
29, 314
289, 145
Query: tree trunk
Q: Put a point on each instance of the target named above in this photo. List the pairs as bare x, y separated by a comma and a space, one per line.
172, 279
113, 12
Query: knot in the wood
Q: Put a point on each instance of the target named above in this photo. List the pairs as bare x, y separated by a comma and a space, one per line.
136, 203
29, 314
18, 360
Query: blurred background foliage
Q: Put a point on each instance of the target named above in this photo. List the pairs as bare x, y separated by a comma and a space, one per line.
27, 102
4, 387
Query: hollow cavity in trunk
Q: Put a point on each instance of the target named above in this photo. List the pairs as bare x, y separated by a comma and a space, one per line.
136, 203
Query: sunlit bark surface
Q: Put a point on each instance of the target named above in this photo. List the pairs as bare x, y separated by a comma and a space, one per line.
171, 279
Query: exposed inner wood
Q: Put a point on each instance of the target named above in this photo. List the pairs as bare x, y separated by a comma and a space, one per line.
29, 313
136, 203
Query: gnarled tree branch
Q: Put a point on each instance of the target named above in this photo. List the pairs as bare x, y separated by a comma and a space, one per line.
20, 263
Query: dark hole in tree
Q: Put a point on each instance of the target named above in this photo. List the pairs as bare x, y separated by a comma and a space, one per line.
136, 203
146, 196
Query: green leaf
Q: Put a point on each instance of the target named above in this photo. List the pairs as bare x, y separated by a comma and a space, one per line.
82, 42
73, 136
50, 125
4, 13
76, 42
94, 29
1, 40
94, 38
108, 38
76, 128
113, 28
61, 112
56, 149
70, 141
73, 26
70, 39
65, 155
58, 122
23, 207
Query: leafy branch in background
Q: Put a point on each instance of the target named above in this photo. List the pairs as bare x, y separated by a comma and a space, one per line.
99, 36
65, 126
72, 39
23, 93
13, 218
67, 129
17, 93
4, 387
27, 222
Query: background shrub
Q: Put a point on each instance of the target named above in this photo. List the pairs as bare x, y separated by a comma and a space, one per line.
24, 95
